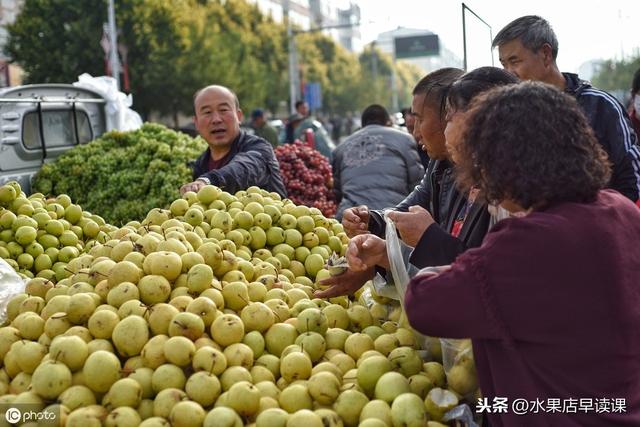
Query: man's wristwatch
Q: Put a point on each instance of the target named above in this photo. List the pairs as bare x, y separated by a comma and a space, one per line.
204, 179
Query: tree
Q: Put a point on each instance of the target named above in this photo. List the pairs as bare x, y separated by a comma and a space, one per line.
159, 35
178, 46
57, 40
616, 75
407, 77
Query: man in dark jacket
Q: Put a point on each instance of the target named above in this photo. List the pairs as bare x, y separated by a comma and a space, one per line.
528, 48
234, 160
431, 202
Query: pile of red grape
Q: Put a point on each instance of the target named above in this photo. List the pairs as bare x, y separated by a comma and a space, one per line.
307, 175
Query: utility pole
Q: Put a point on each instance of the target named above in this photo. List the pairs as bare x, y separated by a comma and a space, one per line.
374, 61
293, 73
113, 40
394, 88
294, 77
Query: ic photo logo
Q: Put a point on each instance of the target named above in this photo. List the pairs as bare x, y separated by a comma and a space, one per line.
30, 414
13, 415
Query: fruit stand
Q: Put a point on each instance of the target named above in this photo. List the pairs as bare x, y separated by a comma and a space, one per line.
203, 313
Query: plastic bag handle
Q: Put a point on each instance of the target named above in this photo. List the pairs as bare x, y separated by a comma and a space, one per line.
396, 261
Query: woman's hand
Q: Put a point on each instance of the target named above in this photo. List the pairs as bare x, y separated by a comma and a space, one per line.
365, 251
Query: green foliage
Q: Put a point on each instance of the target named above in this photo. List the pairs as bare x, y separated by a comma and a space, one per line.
616, 75
376, 78
176, 47
408, 75
157, 33
57, 40
123, 175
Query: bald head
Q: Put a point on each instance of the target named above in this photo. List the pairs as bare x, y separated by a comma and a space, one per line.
220, 90
217, 116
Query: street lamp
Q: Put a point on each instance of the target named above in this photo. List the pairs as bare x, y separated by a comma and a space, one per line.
113, 40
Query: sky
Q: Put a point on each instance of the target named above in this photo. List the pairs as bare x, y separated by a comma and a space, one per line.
586, 29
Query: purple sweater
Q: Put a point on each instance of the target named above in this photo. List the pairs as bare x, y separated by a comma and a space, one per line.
551, 302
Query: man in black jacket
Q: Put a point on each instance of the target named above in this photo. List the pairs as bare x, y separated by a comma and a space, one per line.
436, 220
234, 160
429, 203
528, 48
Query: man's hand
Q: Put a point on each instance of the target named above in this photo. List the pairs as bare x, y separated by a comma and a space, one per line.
356, 221
365, 251
344, 284
194, 186
412, 225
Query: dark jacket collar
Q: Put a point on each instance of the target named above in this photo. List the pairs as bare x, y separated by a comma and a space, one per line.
232, 151
574, 85
201, 165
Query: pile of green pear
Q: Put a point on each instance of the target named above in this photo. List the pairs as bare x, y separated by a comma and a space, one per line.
203, 314
39, 236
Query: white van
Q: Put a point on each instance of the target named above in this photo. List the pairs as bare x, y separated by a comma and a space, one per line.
40, 122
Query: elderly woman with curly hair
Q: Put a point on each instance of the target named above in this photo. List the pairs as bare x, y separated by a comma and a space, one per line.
551, 299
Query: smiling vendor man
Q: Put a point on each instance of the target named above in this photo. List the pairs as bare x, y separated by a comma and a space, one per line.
234, 159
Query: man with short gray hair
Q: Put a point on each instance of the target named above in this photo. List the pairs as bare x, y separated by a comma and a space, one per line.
528, 48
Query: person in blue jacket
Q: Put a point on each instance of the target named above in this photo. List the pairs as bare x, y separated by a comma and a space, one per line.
528, 48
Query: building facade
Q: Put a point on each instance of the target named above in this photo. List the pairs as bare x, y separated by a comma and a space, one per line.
444, 58
320, 14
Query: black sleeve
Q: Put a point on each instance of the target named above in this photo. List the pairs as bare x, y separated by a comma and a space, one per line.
415, 171
246, 168
616, 135
197, 166
421, 195
377, 225
436, 247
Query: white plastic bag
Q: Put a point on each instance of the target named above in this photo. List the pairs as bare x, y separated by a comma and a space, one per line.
11, 284
400, 274
396, 260
383, 289
119, 115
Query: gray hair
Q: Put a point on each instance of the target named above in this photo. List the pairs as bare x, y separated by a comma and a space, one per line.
533, 32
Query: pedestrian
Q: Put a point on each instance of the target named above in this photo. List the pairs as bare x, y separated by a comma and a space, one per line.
336, 130
528, 48
550, 298
233, 160
263, 129
302, 112
377, 166
349, 123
